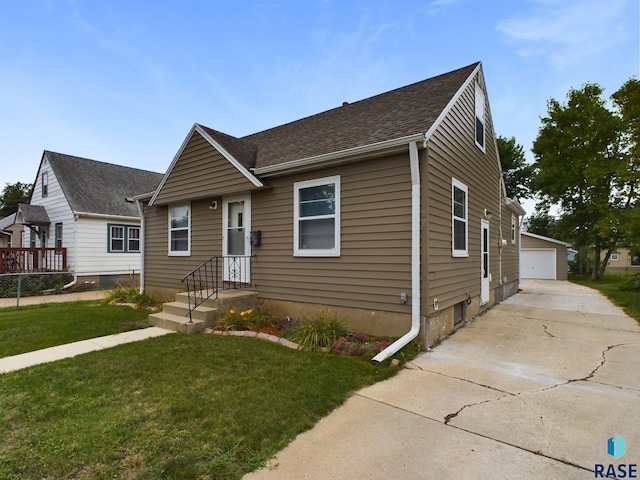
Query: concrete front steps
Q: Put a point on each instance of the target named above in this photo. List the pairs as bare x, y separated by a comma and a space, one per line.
175, 315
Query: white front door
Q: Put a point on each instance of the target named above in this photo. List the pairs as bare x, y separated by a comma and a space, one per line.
236, 241
485, 278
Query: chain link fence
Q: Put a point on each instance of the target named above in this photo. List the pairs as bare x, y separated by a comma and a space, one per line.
19, 285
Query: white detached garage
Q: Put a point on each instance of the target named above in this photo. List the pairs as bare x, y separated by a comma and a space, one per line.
543, 258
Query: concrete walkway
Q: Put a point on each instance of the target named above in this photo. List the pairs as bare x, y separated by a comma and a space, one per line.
532, 389
16, 362
63, 297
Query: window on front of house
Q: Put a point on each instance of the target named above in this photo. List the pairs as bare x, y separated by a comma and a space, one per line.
317, 217
180, 230
635, 259
58, 235
479, 102
459, 207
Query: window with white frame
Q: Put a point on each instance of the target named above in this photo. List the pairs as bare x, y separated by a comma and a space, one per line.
116, 238
459, 227
317, 217
614, 256
513, 228
479, 102
133, 239
124, 238
180, 230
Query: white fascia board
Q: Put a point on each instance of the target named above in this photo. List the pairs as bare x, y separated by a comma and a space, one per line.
173, 164
229, 157
547, 239
103, 216
452, 102
341, 156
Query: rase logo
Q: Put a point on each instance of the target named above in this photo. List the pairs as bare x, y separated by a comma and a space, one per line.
615, 448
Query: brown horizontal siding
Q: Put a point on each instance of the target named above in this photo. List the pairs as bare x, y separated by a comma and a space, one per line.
374, 265
201, 172
161, 270
452, 153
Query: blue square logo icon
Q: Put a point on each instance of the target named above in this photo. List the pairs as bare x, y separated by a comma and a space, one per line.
615, 446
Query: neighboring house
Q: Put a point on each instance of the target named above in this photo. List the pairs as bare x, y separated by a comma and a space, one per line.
391, 210
624, 259
86, 209
544, 258
10, 232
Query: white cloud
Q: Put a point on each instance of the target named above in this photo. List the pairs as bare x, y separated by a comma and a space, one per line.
567, 32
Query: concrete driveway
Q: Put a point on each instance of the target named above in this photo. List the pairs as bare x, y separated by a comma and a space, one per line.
532, 389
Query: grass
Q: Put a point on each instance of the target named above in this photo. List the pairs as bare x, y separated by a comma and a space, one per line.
40, 326
609, 286
177, 406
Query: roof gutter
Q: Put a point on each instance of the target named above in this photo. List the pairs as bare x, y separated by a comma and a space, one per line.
342, 156
415, 260
106, 216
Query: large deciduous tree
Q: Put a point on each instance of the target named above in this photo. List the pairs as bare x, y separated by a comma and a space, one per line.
516, 172
12, 195
584, 164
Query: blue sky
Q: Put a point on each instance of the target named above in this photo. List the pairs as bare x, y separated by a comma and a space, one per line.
124, 81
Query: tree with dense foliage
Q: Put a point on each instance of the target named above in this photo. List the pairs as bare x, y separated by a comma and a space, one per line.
586, 165
12, 195
517, 174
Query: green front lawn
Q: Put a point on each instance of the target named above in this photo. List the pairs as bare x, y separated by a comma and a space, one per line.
609, 286
35, 327
177, 406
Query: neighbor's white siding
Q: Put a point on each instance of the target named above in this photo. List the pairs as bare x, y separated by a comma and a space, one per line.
58, 210
93, 250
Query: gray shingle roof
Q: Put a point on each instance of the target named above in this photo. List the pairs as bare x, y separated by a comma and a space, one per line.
33, 214
97, 187
399, 113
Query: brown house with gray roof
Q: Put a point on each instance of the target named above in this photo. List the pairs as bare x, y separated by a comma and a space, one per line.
390, 210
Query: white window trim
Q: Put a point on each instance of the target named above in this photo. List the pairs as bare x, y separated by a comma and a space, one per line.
330, 252
179, 253
44, 187
615, 256
459, 253
479, 112
513, 228
112, 238
129, 228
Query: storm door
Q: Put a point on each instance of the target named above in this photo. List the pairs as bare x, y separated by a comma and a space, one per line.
485, 279
236, 247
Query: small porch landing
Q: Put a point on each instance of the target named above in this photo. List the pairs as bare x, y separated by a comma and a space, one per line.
175, 315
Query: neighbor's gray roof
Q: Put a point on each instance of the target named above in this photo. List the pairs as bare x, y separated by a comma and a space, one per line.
33, 214
101, 188
7, 221
396, 114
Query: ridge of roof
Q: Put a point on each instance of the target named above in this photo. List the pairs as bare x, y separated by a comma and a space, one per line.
91, 186
397, 113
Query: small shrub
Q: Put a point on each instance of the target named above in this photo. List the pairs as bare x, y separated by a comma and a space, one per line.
122, 294
262, 318
319, 331
287, 325
630, 283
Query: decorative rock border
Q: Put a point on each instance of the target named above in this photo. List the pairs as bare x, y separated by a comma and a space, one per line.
251, 333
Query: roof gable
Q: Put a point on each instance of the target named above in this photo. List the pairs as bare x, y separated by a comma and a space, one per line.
101, 188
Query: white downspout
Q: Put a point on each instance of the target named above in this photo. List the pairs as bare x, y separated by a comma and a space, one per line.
141, 212
415, 261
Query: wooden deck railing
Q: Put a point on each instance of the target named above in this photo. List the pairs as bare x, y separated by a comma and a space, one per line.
29, 260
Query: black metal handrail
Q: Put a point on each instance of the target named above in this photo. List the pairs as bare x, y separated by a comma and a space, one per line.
217, 273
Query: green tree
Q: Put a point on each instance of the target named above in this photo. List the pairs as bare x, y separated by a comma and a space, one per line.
580, 165
517, 174
541, 223
12, 195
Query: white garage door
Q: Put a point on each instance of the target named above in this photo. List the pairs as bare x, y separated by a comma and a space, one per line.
538, 263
